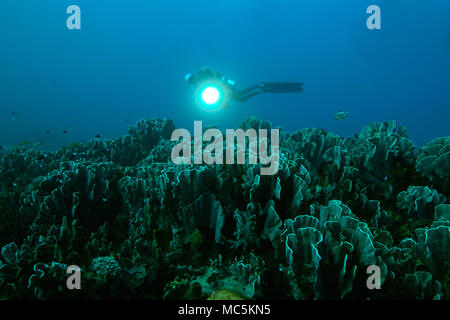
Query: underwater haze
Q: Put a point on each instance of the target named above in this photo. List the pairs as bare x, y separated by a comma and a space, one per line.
125, 172
129, 59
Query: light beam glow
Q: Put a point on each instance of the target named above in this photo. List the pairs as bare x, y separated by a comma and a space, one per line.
210, 95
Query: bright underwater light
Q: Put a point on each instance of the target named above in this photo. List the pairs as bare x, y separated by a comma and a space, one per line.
210, 95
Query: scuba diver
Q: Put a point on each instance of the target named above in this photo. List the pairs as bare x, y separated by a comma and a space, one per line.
205, 75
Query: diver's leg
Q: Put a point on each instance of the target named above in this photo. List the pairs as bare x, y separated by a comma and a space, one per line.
282, 87
249, 95
247, 90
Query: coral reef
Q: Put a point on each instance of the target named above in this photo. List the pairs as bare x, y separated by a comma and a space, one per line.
141, 227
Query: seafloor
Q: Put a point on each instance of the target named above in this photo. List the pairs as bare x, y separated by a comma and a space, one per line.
139, 226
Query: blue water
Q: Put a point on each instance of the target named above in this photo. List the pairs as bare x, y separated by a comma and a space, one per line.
129, 60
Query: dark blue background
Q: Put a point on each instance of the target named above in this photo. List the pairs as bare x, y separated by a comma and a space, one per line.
129, 60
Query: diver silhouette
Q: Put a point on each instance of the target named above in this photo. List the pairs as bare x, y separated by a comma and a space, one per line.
206, 74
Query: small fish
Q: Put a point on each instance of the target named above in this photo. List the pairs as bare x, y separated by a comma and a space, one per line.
340, 115
47, 131
14, 184
65, 131
98, 136
14, 115
37, 144
127, 120
24, 143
